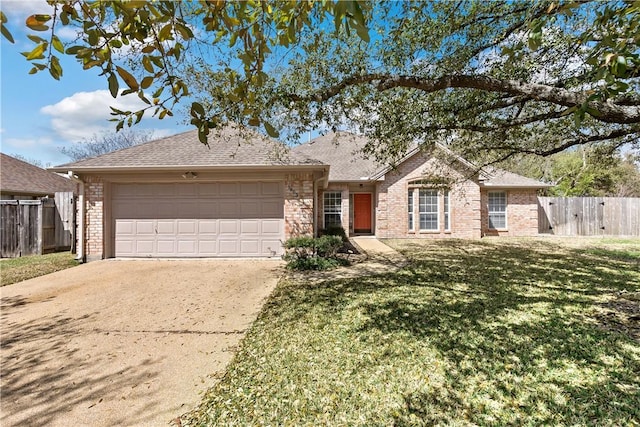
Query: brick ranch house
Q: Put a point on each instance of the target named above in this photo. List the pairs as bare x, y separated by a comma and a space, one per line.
246, 194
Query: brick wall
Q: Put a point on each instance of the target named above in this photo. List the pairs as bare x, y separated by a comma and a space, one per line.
298, 205
522, 213
392, 203
94, 215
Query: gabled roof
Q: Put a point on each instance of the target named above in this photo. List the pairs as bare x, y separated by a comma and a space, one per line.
343, 152
18, 177
499, 178
232, 146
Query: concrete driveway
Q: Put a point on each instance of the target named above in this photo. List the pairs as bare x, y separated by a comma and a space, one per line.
123, 342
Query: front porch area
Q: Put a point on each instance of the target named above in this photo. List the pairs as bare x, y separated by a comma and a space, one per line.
350, 206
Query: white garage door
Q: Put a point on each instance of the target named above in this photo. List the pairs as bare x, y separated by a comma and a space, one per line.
234, 219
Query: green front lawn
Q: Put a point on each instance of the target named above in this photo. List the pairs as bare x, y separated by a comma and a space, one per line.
486, 332
13, 270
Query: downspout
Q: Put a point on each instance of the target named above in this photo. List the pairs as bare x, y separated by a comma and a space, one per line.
80, 256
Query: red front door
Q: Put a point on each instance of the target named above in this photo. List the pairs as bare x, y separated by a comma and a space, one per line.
362, 213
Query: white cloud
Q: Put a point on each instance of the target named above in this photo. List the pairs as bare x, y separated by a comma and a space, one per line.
19, 10
68, 33
84, 114
25, 143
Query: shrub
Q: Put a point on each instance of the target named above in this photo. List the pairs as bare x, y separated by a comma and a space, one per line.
335, 230
308, 253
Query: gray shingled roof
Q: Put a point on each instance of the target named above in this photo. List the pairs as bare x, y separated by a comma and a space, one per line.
231, 146
343, 151
18, 177
503, 178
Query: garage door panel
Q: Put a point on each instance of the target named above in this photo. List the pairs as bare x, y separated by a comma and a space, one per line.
271, 189
250, 226
187, 247
208, 189
272, 209
125, 247
144, 247
145, 227
249, 247
162, 209
165, 247
166, 227
270, 247
186, 227
228, 189
208, 248
249, 188
271, 227
228, 209
228, 226
125, 227
198, 219
249, 209
228, 247
187, 209
207, 227
207, 209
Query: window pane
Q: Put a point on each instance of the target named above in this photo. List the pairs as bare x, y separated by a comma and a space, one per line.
446, 210
497, 210
428, 205
332, 209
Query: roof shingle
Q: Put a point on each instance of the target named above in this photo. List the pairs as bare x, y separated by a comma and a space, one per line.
230, 146
18, 177
343, 151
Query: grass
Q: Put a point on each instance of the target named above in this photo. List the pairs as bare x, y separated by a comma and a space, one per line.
18, 269
490, 332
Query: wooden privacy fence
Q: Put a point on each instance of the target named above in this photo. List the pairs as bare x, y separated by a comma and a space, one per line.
29, 227
589, 216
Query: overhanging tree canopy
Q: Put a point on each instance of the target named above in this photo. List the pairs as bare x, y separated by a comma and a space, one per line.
491, 78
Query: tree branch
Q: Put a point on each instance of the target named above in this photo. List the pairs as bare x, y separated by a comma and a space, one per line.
607, 112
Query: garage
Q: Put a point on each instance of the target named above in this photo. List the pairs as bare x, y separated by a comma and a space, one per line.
204, 219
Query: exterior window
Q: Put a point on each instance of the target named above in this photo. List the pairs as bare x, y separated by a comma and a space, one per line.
447, 212
332, 209
428, 206
497, 210
410, 212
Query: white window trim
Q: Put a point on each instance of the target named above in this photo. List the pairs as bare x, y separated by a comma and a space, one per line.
506, 209
324, 212
446, 194
411, 192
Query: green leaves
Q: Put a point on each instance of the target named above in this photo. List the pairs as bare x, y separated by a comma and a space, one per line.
128, 78
3, 29
113, 85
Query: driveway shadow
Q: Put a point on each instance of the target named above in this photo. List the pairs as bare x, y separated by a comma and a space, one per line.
45, 375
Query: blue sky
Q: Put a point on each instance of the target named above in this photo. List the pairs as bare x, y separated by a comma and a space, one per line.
39, 115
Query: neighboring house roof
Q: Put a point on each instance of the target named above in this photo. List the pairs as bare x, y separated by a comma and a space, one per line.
343, 152
18, 177
231, 146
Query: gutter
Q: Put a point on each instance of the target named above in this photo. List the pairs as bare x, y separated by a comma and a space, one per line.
80, 255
